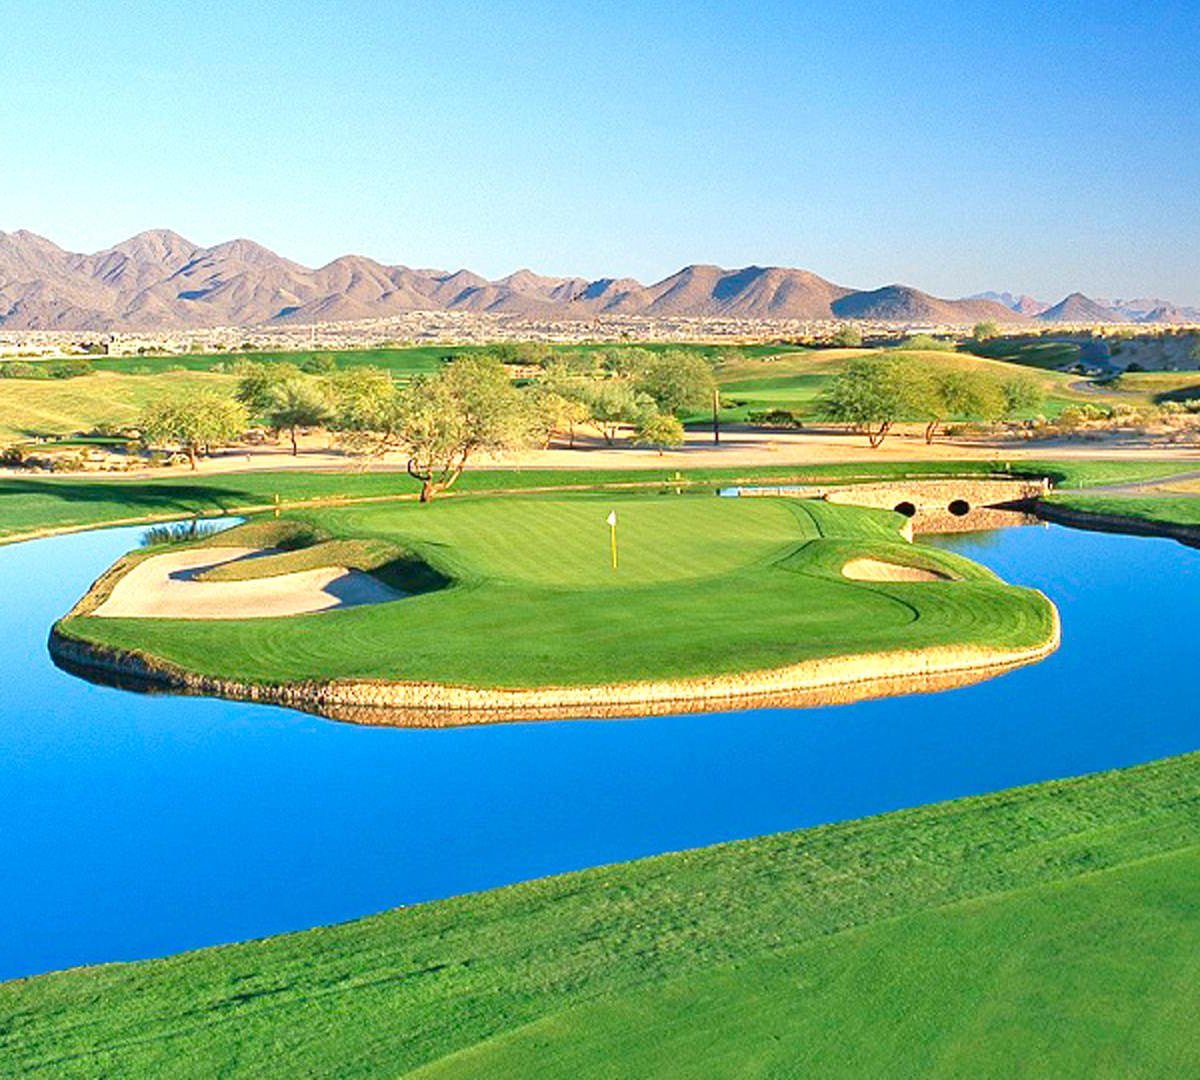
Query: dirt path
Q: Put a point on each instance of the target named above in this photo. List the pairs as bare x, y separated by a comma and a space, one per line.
740, 447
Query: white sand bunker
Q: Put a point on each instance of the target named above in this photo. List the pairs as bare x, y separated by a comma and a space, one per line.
878, 570
166, 587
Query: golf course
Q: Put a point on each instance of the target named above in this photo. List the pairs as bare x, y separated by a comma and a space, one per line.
536, 592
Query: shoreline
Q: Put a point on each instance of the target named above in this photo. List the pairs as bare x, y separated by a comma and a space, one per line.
821, 681
1092, 521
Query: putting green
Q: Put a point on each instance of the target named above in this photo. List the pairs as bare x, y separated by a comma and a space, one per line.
705, 586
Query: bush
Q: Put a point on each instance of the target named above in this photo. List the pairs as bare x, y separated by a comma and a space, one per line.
180, 532
775, 418
926, 342
68, 369
319, 364
19, 369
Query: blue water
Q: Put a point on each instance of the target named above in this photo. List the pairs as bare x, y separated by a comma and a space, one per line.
134, 826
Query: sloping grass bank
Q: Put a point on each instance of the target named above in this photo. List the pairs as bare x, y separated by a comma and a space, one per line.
30, 504
1049, 930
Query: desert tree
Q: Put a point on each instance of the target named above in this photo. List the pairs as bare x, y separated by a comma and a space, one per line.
195, 422
258, 382
612, 403
468, 407
1021, 396
659, 430
297, 403
872, 395
678, 382
958, 395
364, 409
847, 336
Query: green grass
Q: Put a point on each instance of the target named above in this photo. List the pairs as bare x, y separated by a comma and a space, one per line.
1158, 386
30, 407
402, 361
797, 382
31, 503
1051, 930
1031, 352
535, 601
1167, 509
120, 387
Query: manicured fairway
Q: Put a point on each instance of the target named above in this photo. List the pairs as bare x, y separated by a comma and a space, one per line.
38, 502
705, 586
796, 382
1050, 930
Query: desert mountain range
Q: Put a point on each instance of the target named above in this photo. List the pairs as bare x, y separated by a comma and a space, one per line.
160, 280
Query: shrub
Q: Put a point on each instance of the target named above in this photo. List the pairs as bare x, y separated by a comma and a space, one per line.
19, 369
775, 418
319, 364
926, 342
68, 369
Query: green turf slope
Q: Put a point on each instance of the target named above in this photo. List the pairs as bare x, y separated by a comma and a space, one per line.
31, 503
1052, 930
705, 586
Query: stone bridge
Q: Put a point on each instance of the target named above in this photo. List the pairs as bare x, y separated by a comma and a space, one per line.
933, 506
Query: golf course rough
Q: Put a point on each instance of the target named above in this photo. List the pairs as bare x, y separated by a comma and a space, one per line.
513, 610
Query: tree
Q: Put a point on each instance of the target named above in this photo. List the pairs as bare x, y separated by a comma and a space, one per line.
611, 403
985, 331
847, 336
659, 430
1194, 351
625, 361
872, 395
1021, 395
195, 422
963, 395
553, 412
297, 403
258, 382
676, 381
926, 343
365, 408
469, 406
319, 364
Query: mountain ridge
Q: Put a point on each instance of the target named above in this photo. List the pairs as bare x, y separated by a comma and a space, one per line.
159, 279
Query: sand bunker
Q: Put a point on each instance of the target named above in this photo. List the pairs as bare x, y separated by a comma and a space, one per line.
166, 587
878, 570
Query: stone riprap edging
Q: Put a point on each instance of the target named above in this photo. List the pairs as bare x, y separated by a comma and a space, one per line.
826, 680
1095, 521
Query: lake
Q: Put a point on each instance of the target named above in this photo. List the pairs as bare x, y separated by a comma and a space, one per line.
137, 826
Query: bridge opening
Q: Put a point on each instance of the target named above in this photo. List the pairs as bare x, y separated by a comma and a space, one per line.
906, 508
959, 507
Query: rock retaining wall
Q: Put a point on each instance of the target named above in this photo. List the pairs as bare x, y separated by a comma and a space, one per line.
827, 680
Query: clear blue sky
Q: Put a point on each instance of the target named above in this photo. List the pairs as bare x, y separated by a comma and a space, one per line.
1040, 147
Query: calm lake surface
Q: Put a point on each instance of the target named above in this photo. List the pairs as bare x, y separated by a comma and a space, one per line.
136, 826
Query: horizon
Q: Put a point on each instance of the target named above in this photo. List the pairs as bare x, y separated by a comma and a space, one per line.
450, 271
630, 145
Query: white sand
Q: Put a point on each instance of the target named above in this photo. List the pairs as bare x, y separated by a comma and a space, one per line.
878, 570
165, 587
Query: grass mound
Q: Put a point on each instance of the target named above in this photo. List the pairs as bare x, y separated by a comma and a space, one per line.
1048, 930
705, 586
